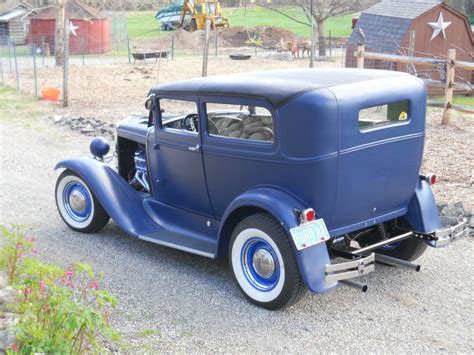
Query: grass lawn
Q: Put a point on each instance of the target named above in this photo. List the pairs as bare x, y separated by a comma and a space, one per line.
16, 104
458, 100
144, 25
339, 26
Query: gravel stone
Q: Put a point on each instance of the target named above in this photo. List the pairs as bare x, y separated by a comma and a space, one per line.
194, 306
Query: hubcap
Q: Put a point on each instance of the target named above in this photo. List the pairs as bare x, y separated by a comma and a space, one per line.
77, 201
260, 264
263, 263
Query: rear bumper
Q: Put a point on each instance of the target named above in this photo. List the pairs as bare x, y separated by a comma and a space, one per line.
444, 236
350, 269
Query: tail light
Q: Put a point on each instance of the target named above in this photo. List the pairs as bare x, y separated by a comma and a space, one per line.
431, 179
307, 215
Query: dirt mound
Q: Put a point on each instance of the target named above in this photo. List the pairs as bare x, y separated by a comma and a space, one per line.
226, 37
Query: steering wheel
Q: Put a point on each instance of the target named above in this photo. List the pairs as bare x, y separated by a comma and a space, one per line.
190, 123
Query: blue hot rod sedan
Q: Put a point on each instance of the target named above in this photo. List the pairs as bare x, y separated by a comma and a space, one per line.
280, 171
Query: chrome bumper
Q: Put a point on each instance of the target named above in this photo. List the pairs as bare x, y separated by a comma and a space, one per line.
350, 269
443, 237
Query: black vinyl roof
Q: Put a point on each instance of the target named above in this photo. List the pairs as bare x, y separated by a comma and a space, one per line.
275, 86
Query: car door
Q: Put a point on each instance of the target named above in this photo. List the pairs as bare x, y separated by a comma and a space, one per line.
176, 157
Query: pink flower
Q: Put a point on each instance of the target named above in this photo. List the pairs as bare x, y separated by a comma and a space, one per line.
66, 279
34, 251
42, 286
27, 291
31, 239
14, 348
94, 284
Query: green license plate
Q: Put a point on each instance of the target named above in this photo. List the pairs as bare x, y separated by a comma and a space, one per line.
309, 234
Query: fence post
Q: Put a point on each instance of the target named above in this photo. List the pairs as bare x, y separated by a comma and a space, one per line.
206, 47
1, 70
42, 51
9, 53
83, 49
16, 67
34, 69
128, 49
172, 46
360, 56
449, 87
330, 44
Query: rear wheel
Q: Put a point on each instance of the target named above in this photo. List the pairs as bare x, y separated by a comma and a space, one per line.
77, 205
408, 249
264, 264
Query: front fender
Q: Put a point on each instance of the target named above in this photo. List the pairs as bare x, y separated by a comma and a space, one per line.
280, 204
121, 202
422, 211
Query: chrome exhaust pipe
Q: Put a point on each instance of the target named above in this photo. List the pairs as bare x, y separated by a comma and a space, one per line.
384, 259
355, 284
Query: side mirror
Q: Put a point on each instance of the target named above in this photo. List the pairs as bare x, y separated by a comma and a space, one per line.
149, 102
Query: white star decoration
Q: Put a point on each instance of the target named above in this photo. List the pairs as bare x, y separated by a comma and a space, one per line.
73, 28
439, 26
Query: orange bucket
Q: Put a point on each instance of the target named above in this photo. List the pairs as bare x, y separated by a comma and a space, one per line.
50, 94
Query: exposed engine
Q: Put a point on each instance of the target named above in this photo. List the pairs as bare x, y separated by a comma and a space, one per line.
140, 180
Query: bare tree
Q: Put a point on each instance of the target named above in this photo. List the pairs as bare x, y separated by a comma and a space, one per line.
321, 11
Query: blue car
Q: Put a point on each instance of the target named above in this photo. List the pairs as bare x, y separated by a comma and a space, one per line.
281, 172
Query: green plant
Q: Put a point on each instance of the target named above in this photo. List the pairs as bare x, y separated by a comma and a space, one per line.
60, 310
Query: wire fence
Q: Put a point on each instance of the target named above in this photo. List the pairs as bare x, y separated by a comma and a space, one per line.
27, 66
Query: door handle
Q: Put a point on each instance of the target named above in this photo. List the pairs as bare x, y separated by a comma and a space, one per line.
196, 148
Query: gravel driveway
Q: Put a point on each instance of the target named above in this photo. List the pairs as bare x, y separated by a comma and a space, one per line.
173, 301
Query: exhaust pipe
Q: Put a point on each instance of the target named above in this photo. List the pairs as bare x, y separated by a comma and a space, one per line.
354, 284
384, 259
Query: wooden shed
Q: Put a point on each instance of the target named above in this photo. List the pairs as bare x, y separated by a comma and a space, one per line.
422, 28
89, 30
14, 22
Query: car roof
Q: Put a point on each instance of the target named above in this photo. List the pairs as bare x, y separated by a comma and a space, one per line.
275, 86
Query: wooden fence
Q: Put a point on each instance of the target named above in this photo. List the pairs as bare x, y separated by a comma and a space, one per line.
450, 64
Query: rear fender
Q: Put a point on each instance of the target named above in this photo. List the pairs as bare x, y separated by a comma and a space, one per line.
422, 211
280, 204
121, 202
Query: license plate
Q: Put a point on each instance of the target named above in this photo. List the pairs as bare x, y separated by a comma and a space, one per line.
309, 234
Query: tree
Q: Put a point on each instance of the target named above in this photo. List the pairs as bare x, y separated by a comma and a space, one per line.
321, 11
59, 31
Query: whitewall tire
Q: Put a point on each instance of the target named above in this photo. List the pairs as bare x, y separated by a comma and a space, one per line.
77, 205
263, 263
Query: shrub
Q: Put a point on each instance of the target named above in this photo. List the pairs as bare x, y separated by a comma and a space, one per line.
60, 310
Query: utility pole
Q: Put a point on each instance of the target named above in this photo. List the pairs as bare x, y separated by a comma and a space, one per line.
206, 47
313, 42
59, 31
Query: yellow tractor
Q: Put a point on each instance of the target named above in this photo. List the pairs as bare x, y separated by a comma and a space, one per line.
202, 10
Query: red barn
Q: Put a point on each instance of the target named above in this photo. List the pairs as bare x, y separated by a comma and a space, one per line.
424, 28
89, 31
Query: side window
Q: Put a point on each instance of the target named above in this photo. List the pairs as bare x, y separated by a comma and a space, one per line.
179, 115
251, 123
383, 115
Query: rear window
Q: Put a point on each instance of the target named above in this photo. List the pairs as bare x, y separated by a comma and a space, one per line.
384, 115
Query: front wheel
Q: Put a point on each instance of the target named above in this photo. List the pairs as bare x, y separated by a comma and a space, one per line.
77, 205
264, 264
